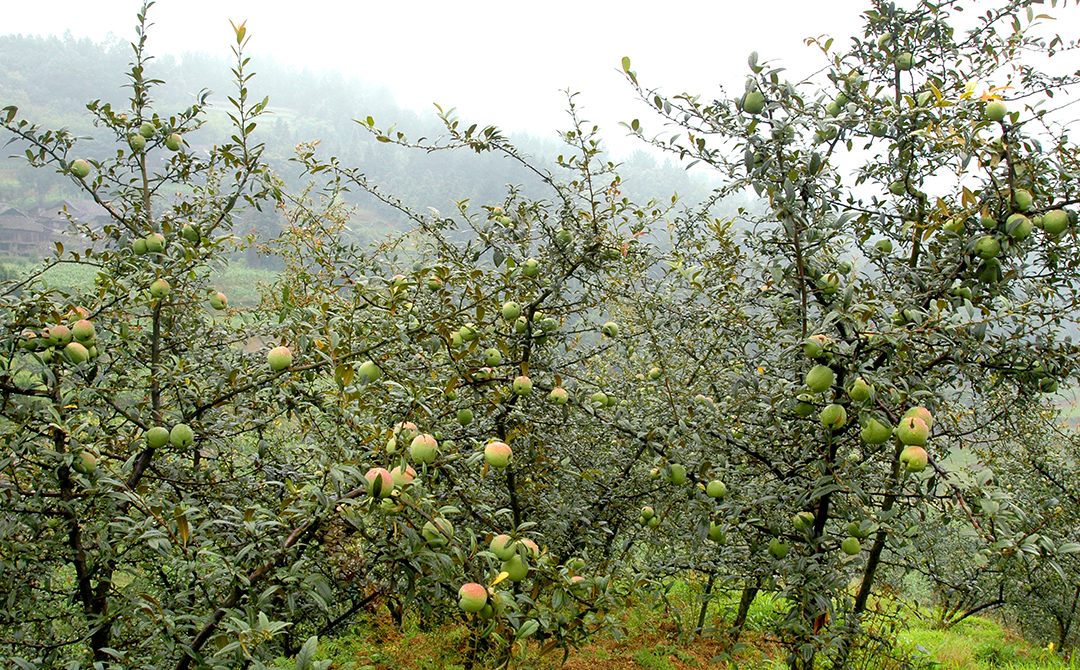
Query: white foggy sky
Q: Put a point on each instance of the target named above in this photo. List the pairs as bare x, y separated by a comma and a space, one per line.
501, 63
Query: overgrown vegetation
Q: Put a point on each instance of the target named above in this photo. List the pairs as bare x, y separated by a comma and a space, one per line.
550, 419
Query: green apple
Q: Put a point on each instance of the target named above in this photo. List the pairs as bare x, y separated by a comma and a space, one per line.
434, 283
904, 61
218, 300
995, 110
753, 102
279, 358
832, 109
511, 311
521, 325
803, 521
76, 352
139, 246
155, 243
424, 449
884, 246
855, 529
498, 454
1023, 200
716, 489
468, 333
804, 406
559, 396
778, 548
717, 534
898, 188
380, 483
191, 233
987, 247
85, 463
465, 416
493, 357
829, 283
851, 546
174, 142
914, 458
181, 436
599, 399
610, 329
647, 512
136, 142
146, 129
80, 168
654, 374
160, 288
438, 533
678, 474
860, 391
530, 268
833, 416
522, 385
814, 346
990, 271
503, 546
878, 129
516, 568
472, 598
1055, 222
564, 237
1018, 226
369, 371
875, 432
653, 522
157, 437
820, 378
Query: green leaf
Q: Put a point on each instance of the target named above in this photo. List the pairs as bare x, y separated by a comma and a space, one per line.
626, 64
307, 652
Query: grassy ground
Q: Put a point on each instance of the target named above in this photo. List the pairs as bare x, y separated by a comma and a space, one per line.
656, 639
239, 282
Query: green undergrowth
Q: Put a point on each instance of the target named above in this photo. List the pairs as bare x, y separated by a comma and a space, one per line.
658, 634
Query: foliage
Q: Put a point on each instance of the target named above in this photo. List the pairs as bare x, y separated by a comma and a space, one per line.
664, 383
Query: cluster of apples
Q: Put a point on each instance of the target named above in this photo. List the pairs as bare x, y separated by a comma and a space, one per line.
76, 343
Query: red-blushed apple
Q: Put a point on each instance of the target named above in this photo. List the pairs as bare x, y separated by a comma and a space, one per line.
503, 546
160, 288
914, 458
380, 482
279, 358
472, 597
913, 431
498, 454
438, 533
403, 477
424, 449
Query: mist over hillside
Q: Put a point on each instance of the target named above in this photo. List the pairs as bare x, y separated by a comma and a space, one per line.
51, 79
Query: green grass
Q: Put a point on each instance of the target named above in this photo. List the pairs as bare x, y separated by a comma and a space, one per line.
978, 644
657, 639
240, 283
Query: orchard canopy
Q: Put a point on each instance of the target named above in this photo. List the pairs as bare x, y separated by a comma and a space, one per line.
524, 413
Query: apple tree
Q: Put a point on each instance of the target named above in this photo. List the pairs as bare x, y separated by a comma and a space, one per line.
147, 519
910, 290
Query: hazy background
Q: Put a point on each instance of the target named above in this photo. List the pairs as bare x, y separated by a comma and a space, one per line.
499, 63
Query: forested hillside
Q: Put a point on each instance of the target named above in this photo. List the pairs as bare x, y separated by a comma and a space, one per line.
51, 79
